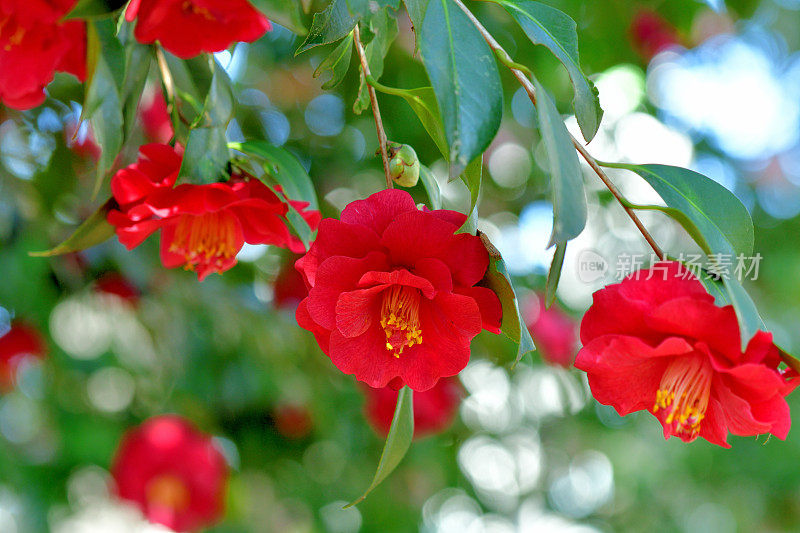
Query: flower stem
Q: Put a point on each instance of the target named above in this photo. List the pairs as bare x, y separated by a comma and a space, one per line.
376, 112
528, 86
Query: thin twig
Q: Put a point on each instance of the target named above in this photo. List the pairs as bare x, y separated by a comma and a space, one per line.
376, 112
529, 88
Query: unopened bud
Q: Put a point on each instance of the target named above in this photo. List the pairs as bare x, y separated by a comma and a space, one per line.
403, 165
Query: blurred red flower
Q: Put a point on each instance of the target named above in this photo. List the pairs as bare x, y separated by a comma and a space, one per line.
189, 27
172, 472
34, 44
203, 227
554, 332
657, 342
18, 344
392, 292
156, 122
434, 409
651, 33
292, 421
289, 287
119, 286
80, 139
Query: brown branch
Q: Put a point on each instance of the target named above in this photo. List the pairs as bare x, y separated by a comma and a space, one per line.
376, 112
528, 86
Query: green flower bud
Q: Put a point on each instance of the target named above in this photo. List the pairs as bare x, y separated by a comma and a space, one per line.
403, 165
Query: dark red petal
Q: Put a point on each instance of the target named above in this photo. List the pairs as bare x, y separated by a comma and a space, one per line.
305, 321
397, 277
625, 372
713, 427
366, 357
701, 320
416, 235
356, 310
736, 410
435, 271
379, 209
336, 238
489, 305
337, 275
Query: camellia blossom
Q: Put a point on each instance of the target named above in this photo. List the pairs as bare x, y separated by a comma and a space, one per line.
189, 27
657, 342
172, 472
434, 409
34, 44
289, 288
651, 33
20, 343
118, 286
392, 292
554, 332
203, 227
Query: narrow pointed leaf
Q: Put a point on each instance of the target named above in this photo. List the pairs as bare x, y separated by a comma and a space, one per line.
464, 76
554, 274
329, 26
557, 31
398, 440
431, 187
566, 178
94, 230
337, 63
498, 280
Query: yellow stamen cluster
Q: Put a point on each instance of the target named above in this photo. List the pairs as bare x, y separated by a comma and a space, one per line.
400, 318
684, 393
208, 239
15, 39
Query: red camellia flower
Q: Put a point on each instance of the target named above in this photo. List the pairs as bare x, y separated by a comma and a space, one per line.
289, 287
119, 287
392, 292
156, 121
33, 45
19, 343
172, 472
203, 227
293, 421
189, 27
434, 409
554, 332
657, 342
650, 33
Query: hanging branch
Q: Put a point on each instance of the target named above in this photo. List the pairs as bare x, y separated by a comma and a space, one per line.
376, 112
528, 86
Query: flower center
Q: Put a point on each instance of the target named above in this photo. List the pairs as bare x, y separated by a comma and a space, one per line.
207, 240
400, 318
168, 491
189, 7
683, 394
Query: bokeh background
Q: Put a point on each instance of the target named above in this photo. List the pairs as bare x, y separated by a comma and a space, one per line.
712, 86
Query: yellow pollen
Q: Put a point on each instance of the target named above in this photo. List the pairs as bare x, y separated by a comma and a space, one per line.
207, 240
168, 491
15, 39
684, 393
188, 5
400, 318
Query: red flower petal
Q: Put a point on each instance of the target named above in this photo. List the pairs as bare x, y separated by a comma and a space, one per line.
378, 210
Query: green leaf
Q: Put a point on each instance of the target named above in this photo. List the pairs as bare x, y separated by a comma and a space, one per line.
207, 156
398, 440
554, 274
103, 103
284, 167
464, 76
498, 280
721, 223
329, 26
472, 177
287, 14
93, 231
338, 63
416, 12
423, 103
361, 8
566, 178
384, 28
431, 187
550, 27
138, 59
93, 9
